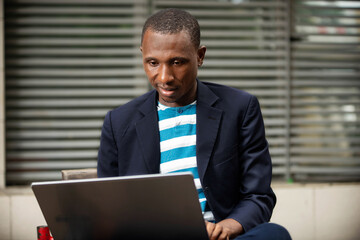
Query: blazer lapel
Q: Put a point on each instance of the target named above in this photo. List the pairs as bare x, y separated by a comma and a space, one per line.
147, 130
208, 120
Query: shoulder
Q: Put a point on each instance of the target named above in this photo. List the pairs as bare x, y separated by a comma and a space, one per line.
237, 105
134, 103
130, 111
229, 95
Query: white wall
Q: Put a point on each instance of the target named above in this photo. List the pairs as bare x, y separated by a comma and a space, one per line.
319, 211
19, 215
309, 212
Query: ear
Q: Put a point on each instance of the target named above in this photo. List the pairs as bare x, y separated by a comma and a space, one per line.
201, 55
140, 48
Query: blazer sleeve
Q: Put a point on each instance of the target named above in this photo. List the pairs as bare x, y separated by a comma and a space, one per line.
257, 198
108, 153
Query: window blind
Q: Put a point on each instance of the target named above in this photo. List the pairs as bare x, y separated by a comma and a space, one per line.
325, 107
67, 63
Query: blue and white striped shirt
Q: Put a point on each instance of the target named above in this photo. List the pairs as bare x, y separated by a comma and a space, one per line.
177, 126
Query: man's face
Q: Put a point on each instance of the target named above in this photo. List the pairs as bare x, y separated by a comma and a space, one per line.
171, 62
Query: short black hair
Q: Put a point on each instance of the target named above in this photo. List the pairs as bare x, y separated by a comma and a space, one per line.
171, 21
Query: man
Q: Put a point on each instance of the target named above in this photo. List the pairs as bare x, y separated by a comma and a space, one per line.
183, 124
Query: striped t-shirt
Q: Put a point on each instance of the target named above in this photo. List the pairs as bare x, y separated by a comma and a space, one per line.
177, 126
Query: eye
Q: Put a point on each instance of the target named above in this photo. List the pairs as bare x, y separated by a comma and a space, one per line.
152, 63
178, 62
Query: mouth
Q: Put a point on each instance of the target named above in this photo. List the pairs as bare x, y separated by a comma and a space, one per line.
168, 92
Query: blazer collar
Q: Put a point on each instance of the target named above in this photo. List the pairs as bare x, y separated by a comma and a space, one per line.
149, 104
205, 95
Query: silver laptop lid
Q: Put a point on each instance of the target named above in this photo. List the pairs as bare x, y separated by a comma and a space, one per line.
159, 206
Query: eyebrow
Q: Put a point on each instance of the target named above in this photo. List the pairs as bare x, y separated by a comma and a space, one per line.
149, 58
170, 60
179, 58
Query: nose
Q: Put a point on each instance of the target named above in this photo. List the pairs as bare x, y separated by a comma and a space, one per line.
165, 74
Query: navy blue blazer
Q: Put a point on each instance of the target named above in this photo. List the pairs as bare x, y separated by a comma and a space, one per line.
232, 153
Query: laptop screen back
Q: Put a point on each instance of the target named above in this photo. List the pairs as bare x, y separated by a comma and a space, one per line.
137, 207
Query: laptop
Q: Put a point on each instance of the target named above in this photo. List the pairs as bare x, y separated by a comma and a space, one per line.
156, 206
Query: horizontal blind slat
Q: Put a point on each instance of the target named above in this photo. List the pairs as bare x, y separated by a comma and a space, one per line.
52, 134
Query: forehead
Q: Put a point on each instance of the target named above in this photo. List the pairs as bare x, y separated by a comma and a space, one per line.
165, 44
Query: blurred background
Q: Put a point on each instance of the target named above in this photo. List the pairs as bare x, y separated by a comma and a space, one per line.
67, 62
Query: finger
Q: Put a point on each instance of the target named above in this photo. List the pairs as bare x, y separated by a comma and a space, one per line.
210, 228
224, 235
217, 232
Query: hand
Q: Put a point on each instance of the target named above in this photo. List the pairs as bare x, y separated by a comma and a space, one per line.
224, 230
